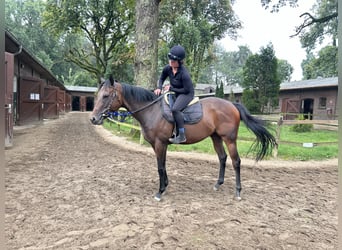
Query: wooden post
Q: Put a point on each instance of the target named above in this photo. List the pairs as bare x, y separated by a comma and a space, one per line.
277, 137
141, 138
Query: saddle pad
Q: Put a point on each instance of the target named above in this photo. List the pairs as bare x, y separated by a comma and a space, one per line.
166, 98
192, 113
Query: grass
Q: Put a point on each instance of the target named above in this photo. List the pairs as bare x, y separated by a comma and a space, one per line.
325, 141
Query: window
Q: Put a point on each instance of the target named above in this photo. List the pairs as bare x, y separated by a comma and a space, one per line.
322, 102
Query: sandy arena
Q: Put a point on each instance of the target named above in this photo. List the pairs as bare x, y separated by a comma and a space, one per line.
73, 185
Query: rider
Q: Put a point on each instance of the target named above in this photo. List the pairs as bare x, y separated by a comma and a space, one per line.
181, 84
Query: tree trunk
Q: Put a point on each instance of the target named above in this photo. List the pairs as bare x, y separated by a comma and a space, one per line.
146, 51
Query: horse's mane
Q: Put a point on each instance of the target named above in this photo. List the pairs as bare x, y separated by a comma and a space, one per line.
138, 94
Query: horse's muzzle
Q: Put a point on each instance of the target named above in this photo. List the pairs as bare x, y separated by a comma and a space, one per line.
96, 121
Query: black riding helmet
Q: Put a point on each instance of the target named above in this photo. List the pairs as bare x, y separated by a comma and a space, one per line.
176, 53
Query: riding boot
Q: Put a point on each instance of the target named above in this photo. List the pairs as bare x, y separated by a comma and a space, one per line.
180, 138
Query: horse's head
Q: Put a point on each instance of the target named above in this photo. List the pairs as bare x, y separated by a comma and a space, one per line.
108, 99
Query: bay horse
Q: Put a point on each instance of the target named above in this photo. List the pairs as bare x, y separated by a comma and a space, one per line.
220, 121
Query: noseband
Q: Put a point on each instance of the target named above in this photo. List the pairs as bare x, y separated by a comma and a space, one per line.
110, 100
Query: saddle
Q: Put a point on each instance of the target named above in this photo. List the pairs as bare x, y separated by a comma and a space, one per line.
193, 113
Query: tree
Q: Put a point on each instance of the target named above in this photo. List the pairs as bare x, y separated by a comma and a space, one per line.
106, 24
316, 26
24, 21
320, 25
325, 65
146, 37
219, 90
285, 70
261, 77
275, 6
251, 101
226, 66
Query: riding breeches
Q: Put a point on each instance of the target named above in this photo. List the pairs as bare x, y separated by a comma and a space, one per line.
180, 103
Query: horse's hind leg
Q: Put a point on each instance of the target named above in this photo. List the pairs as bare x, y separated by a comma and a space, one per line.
236, 161
221, 153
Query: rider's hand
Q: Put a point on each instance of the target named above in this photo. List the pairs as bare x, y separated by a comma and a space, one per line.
167, 88
157, 91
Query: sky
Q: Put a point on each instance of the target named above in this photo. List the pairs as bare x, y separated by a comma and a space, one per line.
260, 27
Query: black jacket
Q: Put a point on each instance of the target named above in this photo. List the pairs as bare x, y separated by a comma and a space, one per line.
180, 83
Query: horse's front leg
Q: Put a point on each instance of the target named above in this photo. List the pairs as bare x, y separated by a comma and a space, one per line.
160, 150
217, 141
163, 180
222, 171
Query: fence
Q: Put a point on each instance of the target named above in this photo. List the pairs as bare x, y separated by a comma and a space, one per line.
323, 124
119, 118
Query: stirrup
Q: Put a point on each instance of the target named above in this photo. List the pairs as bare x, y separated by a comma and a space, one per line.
177, 140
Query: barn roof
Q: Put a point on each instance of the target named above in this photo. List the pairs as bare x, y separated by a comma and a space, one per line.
227, 89
81, 88
311, 83
13, 45
304, 84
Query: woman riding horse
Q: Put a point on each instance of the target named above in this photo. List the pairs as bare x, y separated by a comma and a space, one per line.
181, 84
220, 121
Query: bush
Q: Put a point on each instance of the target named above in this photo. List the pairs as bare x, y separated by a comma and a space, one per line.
301, 128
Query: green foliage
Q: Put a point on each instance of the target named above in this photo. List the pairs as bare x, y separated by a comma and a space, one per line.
276, 5
261, 76
324, 25
325, 65
317, 25
250, 100
97, 36
227, 66
79, 78
285, 70
24, 21
105, 24
301, 128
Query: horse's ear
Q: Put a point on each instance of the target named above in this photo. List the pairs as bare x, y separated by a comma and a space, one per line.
111, 79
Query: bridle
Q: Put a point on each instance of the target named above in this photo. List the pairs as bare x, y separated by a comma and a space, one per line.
106, 113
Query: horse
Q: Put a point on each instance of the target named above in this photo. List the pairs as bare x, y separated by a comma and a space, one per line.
221, 119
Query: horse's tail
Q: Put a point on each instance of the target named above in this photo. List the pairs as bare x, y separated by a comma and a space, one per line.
265, 141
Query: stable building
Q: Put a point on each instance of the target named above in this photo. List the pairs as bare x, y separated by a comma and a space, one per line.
33, 93
315, 98
82, 98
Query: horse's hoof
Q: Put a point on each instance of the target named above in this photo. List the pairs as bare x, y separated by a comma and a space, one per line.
157, 197
238, 198
216, 187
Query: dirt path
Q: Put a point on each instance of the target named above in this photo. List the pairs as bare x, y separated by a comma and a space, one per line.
69, 185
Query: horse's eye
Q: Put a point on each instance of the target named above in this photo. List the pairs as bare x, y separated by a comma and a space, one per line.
105, 96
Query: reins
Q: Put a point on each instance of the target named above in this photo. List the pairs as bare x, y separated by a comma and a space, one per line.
147, 105
107, 113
